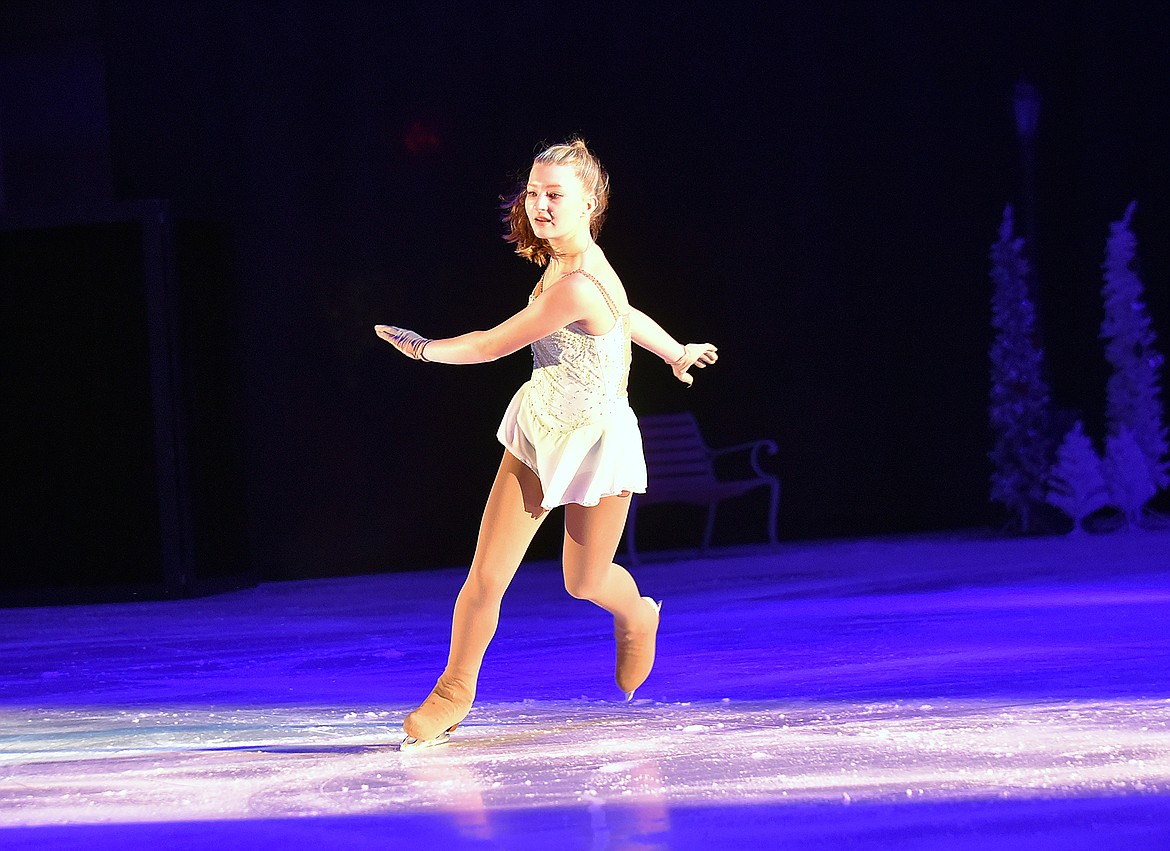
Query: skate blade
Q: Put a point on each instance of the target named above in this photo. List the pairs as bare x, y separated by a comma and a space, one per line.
410, 743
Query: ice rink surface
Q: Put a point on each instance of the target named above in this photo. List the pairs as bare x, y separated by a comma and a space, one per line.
931, 692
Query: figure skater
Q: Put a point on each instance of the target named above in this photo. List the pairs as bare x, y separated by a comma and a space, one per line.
569, 435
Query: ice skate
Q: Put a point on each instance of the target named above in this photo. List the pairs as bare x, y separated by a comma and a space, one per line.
443, 710
635, 653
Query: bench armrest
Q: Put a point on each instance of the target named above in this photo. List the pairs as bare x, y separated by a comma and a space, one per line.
756, 446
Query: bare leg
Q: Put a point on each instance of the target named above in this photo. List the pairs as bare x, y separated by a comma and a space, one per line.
510, 519
592, 534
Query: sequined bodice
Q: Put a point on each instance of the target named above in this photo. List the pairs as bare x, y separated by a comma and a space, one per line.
578, 378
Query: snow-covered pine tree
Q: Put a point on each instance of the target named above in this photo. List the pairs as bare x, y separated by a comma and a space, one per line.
1133, 398
1127, 473
1076, 485
1019, 392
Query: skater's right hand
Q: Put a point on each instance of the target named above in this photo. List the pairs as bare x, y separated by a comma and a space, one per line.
407, 342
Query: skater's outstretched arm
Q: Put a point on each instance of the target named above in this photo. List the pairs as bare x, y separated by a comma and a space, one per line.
563, 303
653, 338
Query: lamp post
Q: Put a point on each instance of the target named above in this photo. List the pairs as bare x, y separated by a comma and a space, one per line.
1026, 99
1, 168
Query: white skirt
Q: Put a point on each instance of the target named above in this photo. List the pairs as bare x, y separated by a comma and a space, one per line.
581, 465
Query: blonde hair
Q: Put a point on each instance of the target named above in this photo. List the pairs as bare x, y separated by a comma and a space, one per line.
593, 178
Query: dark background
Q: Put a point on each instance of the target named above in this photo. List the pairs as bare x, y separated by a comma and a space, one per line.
814, 186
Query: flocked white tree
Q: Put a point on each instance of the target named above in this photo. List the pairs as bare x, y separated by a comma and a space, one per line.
1076, 484
1127, 474
1133, 398
1019, 393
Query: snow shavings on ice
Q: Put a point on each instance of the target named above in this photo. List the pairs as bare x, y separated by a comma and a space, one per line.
883, 673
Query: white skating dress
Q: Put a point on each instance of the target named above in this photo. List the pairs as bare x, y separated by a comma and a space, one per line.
571, 422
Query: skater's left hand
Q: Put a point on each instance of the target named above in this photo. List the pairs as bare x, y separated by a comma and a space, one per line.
694, 354
407, 342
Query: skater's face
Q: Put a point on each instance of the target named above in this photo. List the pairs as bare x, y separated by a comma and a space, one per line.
555, 201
